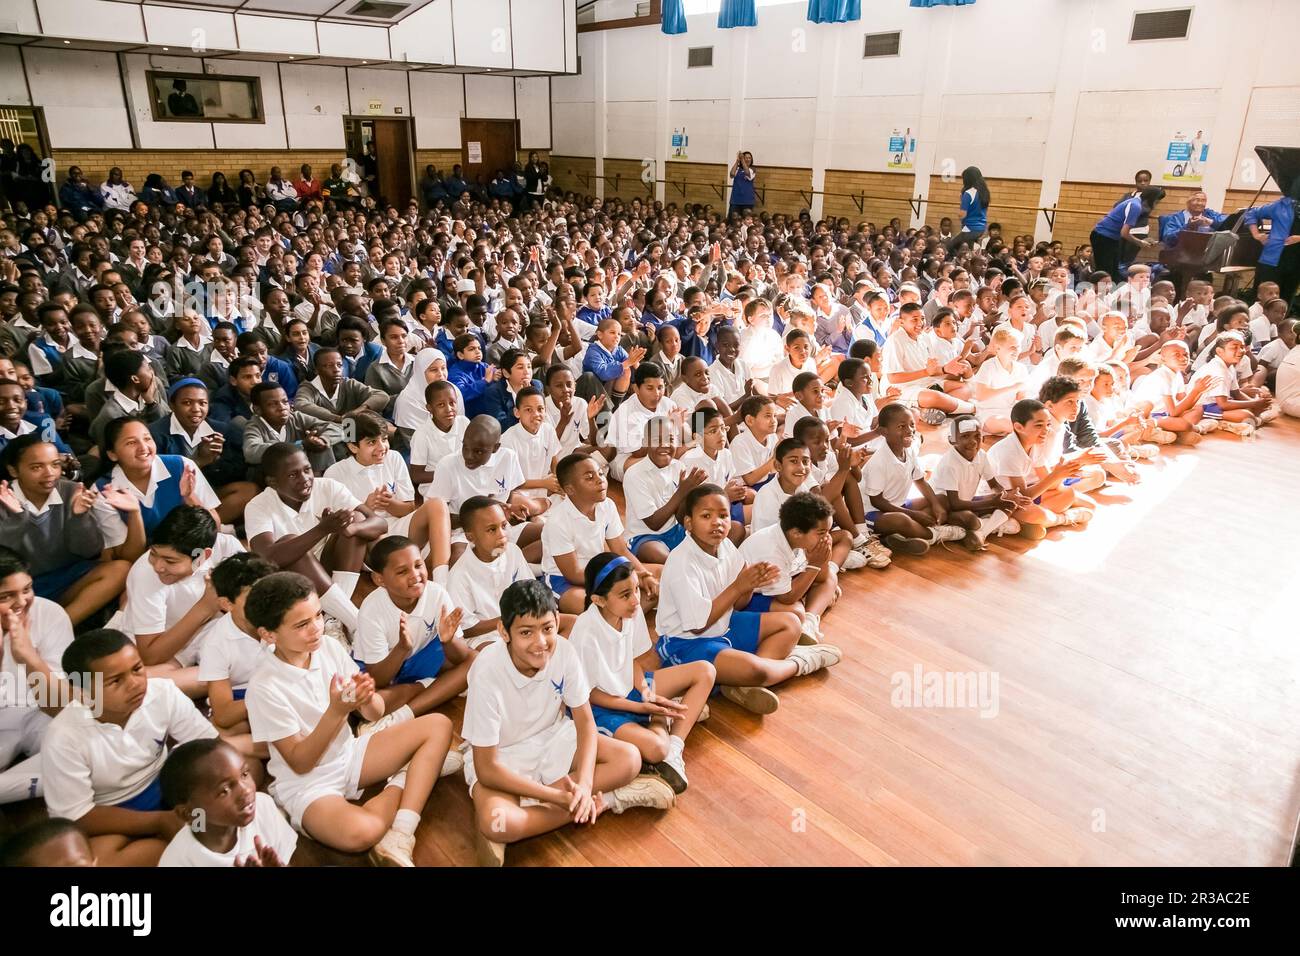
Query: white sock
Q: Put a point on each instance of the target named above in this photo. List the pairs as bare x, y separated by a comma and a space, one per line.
439, 575
398, 780
675, 746
346, 581
863, 528
964, 408
406, 821
336, 604
990, 523
834, 568
399, 717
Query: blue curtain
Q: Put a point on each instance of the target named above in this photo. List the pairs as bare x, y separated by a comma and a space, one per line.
941, 3
737, 13
834, 11
674, 17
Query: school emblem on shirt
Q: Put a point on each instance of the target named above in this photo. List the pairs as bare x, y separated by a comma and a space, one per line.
501, 483
559, 687
161, 743
428, 629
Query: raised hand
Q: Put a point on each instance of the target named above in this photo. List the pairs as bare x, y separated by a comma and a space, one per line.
120, 498
9, 499
263, 855
449, 624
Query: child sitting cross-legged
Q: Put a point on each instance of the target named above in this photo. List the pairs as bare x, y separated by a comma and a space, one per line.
835, 472
654, 487
705, 589
299, 702
628, 702
962, 470
712, 456
537, 447
1165, 395
408, 635
535, 760
212, 789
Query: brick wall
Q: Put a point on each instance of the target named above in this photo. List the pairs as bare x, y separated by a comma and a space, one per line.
137, 164
442, 159
702, 177
1237, 198
945, 200
785, 189
896, 187
623, 180
573, 174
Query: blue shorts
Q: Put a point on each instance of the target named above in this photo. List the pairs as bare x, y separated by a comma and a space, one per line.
1212, 410
239, 692
763, 482
871, 516
608, 721
759, 603
738, 512
742, 636
147, 800
51, 584
670, 538
559, 584
426, 662
1159, 414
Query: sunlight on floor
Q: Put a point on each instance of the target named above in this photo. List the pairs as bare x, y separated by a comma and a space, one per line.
1083, 552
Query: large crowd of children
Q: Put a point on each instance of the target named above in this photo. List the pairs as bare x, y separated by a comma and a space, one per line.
282, 483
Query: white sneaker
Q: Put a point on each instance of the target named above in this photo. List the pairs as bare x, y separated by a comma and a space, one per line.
933, 416
1240, 429
453, 763
1270, 414
1206, 425
393, 849
861, 541
1074, 517
1162, 437
1010, 526
673, 771
1144, 452
854, 560
399, 716
814, 658
756, 700
812, 628
946, 532
878, 556
645, 790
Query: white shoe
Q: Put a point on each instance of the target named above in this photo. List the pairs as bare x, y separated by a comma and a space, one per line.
1270, 414
861, 541
814, 658
1010, 526
399, 716
878, 556
453, 763
644, 791
672, 769
946, 532
1240, 429
394, 849
854, 560
1162, 437
756, 700
1074, 517
933, 416
812, 628
1206, 425
1144, 452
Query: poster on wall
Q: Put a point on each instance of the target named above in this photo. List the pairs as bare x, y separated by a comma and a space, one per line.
475, 149
902, 149
1185, 158
681, 143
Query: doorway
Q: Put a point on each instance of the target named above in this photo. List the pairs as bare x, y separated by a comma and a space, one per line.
381, 149
487, 145
28, 183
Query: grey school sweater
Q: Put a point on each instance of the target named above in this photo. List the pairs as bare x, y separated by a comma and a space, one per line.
54, 539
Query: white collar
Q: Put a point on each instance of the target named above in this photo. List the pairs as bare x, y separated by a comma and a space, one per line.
54, 499
24, 428
200, 433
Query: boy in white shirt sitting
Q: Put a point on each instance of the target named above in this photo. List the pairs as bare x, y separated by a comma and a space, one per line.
232, 650
729, 374
102, 753
438, 437
574, 418
298, 703
408, 634
224, 820
696, 389
712, 455
490, 564
810, 400
1165, 395
753, 447
793, 473
1238, 409
530, 767
537, 447
960, 474
627, 425
169, 607
1014, 459
379, 478
906, 524
907, 364
654, 487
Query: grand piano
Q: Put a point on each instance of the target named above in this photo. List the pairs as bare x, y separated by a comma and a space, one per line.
1231, 250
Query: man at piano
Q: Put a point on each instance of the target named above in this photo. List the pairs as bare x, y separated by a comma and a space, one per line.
1279, 260
1195, 218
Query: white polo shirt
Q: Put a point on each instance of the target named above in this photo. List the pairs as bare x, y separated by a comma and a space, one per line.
1288, 381
1157, 385
268, 823
771, 545
114, 528
51, 633
152, 607
770, 498
1223, 379
361, 480
691, 579
284, 700
1009, 459
852, 410
430, 446
496, 478
608, 654
688, 397
476, 586
568, 531
783, 374
887, 475
574, 428
797, 413
230, 654
720, 469
505, 706
729, 384
993, 374
954, 473
267, 513
535, 451
902, 353
627, 424
87, 763
646, 489
749, 453
379, 620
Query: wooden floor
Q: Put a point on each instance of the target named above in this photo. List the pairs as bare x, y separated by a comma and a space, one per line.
1148, 672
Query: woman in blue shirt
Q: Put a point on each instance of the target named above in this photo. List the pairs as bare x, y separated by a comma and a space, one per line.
1115, 228
742, 184
974, 209
1279, 260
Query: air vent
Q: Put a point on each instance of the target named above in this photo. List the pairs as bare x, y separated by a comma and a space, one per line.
699, 56
881, 44
1161, 25
378, 10
643, 8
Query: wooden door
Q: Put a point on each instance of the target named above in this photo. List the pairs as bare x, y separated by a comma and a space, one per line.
497, 148
393, 154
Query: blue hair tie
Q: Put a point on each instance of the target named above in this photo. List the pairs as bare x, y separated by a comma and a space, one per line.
604, 572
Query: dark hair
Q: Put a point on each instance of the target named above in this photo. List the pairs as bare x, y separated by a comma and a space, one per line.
646, 371
863, 349
1152, 195
803, 511
552, 371
751, 406
564, 468
89, 647
794, 335
385, 548
433, 388
181, 769
787, 445
805, 427
527, 597
803, 380
13, 452
271, 597
473, 505
1056, 388
463, 341
18, 848
366, 424
113, 430
598, 564
249, 338
890, 412
239, 571
971, 176
261, 388
121, 367
526, 392
238, 365
275, 456
1025, 409
701, 418
186, 529
11, 563
695, 494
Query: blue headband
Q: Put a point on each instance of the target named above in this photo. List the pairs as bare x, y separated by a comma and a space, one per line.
604, 572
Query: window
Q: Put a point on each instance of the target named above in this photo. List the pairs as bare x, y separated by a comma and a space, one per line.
205, 98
